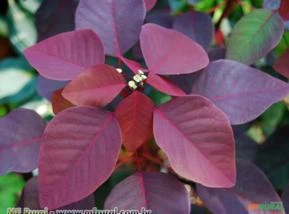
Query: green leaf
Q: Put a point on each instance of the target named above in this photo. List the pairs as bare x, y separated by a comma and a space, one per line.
271, 118
283, 45
254, 36
205, 5
21, 26
10, 189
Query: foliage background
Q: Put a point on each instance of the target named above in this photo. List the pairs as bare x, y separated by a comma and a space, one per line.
264, 141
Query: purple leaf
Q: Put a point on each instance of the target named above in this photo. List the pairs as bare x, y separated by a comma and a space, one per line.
30, 198
252, 188
47, 18
118, 23
242, 92
169, 52
183, 81
20, 133
217, 53
198, 26
285, 198
198, 140
79, 150
64, 56
97, 86
160, 17
46, 87
161, 193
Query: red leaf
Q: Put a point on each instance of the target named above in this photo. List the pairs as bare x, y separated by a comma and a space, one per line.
164, 85
59, 103
135, 116
282, 64
198, 140
132, 65
78, 153
98, 86
161, 193
169, 52
20, 132
65, 55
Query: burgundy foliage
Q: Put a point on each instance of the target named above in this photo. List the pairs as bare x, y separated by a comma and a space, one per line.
20, 132
252, 187
30, 198
106, 118
159, 192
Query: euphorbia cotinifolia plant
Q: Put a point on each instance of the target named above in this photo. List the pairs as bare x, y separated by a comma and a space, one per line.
106, 117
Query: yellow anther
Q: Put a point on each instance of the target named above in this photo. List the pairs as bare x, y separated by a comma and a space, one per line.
132, 84
137, 78
140, 71
143, 77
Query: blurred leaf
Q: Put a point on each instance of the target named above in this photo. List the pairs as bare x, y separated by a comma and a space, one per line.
23, 95
47, 18
21, 27
271, 4
3, 111
267, 123
10, 189
283, 44
3, 27
257, 3
178, 6
193, 2
258, 32
271, 118
205, 5
16, 80
39, 105
30, 5
246, 6
272, 157
256, 133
